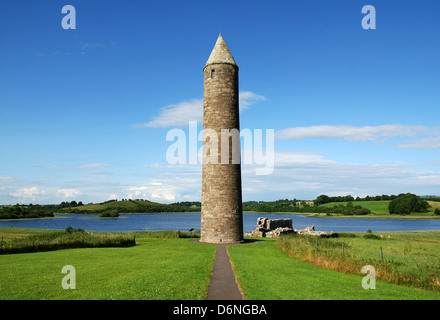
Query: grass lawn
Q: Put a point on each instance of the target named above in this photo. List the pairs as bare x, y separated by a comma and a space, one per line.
174, 269
178, 269
266, 272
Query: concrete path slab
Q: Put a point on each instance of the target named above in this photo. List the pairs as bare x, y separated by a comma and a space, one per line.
223, 285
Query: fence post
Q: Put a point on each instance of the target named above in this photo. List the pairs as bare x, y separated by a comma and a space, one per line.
316, 245
381, 253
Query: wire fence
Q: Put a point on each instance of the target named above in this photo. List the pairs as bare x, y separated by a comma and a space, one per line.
402, 266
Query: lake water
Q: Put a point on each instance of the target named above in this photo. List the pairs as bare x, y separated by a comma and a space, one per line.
186, 221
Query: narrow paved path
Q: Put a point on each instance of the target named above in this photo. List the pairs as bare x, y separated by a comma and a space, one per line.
223, 285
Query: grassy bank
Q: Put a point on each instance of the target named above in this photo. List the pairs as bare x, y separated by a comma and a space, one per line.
68, 239
407, 258
160, 267
266, 272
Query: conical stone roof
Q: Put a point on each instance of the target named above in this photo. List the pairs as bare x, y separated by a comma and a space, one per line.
220, 53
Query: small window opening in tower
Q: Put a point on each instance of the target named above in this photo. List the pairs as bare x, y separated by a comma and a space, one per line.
212, 74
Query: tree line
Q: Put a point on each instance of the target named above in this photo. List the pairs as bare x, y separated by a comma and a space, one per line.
399, 204
112, 208
27, 211
322, 199
302, 207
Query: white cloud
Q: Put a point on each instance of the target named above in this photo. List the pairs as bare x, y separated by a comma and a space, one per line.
305, 175
177, 115
352, 133
69, 192
84, 47
27, 194
52, 166
422, 143
113, 196
171, 184
153, 192
4, 181
248, 98
298, 174
94, 165
180, 114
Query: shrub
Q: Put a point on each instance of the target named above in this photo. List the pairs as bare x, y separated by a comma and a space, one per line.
407, 203
109, 214
69, 229
347, 235
370, 236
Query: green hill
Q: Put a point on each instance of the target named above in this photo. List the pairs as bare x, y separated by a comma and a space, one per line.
130, 206
377, 207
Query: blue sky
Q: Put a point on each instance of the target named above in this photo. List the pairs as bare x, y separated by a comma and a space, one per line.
84, 113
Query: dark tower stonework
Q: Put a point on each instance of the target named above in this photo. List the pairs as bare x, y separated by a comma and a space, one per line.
222, 215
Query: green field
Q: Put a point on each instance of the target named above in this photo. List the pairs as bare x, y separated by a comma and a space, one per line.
381, 208
152, 270
434, 205
265, 272
163, 267
377, 207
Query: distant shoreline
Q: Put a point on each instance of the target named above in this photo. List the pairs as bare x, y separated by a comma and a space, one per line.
311, 215
340, 216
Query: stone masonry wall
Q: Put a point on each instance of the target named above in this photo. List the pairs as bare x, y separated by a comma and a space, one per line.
222, 216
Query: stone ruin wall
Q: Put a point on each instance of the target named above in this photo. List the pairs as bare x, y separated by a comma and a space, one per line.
267, 228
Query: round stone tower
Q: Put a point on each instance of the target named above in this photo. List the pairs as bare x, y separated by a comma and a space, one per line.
222, 215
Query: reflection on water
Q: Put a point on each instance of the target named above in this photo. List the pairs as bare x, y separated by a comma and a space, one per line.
186, 221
